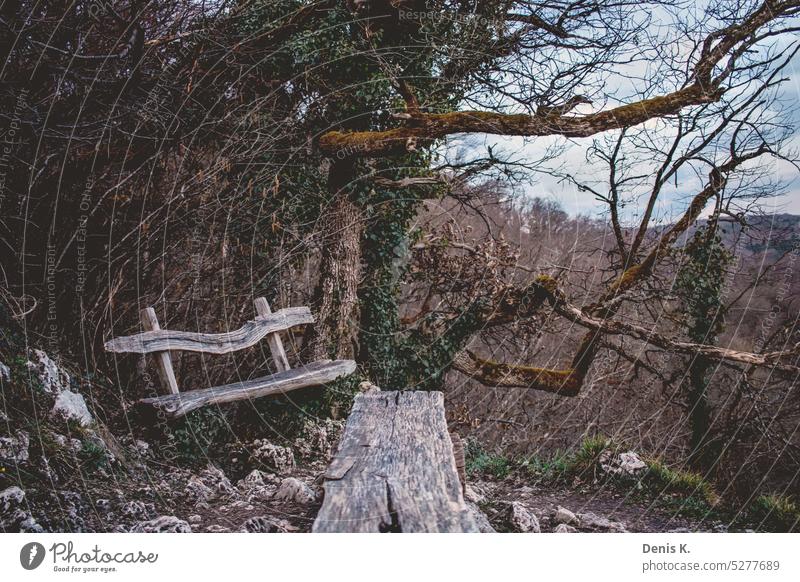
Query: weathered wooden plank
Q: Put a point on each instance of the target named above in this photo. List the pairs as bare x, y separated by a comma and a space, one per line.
163, 359
314, 374
213, 343
461, 460
273, 339
394, 470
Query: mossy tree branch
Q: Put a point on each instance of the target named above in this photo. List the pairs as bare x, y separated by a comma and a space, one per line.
703, 86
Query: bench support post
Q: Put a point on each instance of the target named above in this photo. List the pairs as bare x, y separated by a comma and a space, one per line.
273, 339
165, 372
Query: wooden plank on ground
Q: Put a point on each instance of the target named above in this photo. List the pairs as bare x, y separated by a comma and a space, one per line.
213, 343
394, 470
314, 374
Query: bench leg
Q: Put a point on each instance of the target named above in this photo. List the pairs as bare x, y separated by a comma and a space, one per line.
163, 359
273, 339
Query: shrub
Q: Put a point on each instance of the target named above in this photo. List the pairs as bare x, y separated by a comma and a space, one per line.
775, 513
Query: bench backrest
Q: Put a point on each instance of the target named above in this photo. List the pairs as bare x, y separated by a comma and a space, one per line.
161, 341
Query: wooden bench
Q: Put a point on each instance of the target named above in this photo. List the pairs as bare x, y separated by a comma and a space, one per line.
395, 470
175, 403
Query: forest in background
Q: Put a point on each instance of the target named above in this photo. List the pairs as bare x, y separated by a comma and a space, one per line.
192, 156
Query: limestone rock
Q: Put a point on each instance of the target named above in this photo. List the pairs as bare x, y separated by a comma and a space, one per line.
54, 380
564, 528
480, 518
254, 478
522, 519
14, 517
5, 373
318, 439
10, 499
473, 494
595, 522
624, 464
292, 489
216, 528
264, 524
367, 386
162, 524
14, 449
141, 447
281, 459
73, 445
564, 515
217, 480
71, 406
138, 510
197, 491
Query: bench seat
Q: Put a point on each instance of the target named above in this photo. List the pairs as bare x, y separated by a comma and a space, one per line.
313, 374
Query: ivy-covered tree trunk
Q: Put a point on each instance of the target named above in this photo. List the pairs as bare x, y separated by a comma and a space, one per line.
336, 295
701, 455
699, 284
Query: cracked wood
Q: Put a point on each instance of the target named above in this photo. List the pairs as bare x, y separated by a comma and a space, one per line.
395, 470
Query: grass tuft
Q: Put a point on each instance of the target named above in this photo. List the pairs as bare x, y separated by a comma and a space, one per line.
775, 513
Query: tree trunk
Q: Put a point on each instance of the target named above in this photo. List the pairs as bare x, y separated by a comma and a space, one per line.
701, 456
336, 294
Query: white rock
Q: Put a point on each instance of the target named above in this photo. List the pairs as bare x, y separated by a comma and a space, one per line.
254, 479
367, 387
522, 519
564, 528
318, 439
11, 498
480, 518
15, 449
217, 480
197, 491
624, 464
591, 520
53, 379
162, 524
5, 373
472, 495
68, 443
138, 510
292, 489
14, 517
265, 524
141, 447
217, 529
564, 515
258, 486
72, 406
281, 459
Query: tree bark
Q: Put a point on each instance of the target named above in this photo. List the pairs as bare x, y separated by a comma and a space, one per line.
701, 456
336, 294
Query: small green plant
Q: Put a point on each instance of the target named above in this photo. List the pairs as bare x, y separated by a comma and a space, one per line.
547, 469
92, 456
480, 461
775, 513
192, 437
584, 461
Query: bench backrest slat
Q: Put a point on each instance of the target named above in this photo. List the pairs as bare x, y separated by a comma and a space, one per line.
213, 343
